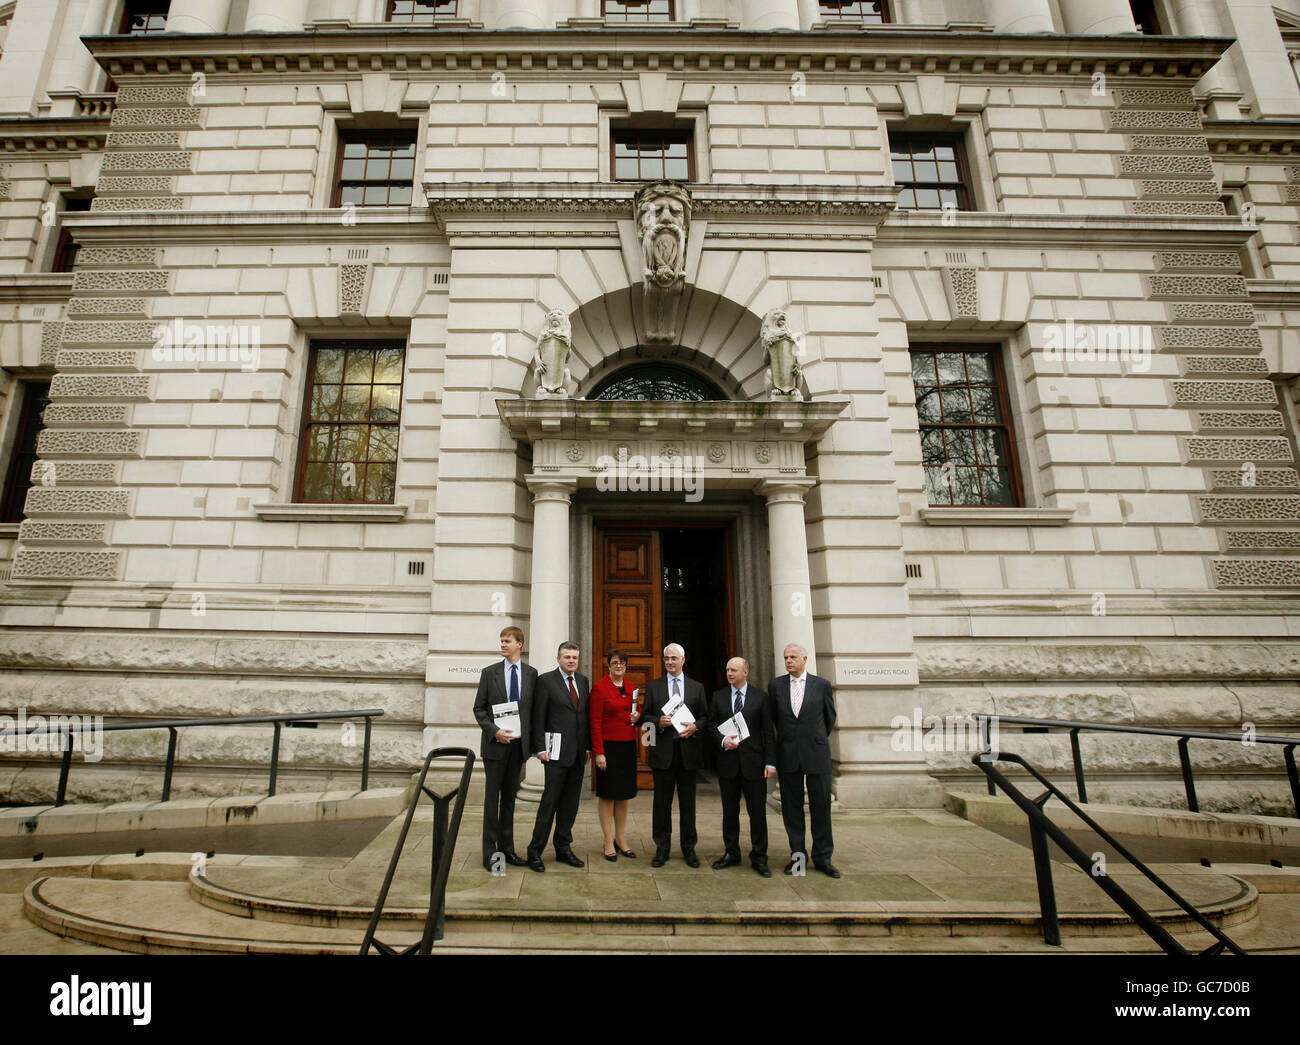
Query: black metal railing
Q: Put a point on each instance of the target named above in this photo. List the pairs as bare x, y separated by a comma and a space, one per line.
60, 725
444, 847
1288, 745
1041, 828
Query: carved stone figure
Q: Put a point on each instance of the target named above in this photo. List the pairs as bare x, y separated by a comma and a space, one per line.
553, 345
663, 215
782, 347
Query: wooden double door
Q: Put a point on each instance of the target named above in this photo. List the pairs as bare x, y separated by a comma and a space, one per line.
660, 584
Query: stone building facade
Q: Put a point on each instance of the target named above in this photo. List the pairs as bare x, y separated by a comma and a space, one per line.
1041, 271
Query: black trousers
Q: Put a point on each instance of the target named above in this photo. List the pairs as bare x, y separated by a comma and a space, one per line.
819, 805
755, 792
560, 796
682, 780
502, 779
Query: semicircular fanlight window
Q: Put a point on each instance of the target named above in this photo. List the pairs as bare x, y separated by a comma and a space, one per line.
657, 382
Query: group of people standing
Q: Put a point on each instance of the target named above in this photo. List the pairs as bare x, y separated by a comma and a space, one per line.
563, 720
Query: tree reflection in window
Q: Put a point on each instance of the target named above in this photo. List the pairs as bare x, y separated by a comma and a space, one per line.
657, 382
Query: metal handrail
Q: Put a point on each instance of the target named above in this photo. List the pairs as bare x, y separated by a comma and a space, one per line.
297, 721
1289, 745
1041, 827
444, 847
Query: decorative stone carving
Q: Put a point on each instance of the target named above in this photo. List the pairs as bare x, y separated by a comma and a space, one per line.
1155, 97
99, 444
55, 500
1265, 479
553, 344
5, 189
1211, 207
1223, 312
103, 473
576, 452
781, 344
106, 306
961, 287
173, 94
180, 162
1167, 142
1178, 187
1198, 286
142, 139
1257, 392
663, 214
762, 453
1174, 166
186, 117
1246, 449
42, 531
139, 184
110, 332
1231, 339
353, 280
102, 386
1240, 420
1256, 573
72, 566
138, 203
51, 336
120, 279
1261, 540
1229, 260
1215, 508
1225, 365
717, 453
105, 257
1149, 120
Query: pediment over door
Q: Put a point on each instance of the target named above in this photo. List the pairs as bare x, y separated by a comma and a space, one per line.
727, 444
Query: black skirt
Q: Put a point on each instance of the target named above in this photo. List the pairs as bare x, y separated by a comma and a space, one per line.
618, 781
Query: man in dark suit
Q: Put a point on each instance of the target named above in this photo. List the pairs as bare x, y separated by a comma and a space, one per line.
674, 757
803, 711
508, 682
744, 766
560, 707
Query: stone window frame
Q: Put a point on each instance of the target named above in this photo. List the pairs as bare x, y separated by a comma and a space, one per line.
16, 424
1009, 424
329, 160
827, 18
51, 237
314, 342
438, 16
968, 131
620, 18
692, 120
965, 183
126, 13
1234, 196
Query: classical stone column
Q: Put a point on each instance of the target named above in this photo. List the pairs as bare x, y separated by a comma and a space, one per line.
514, 14
73, 65
198, 16
792, 619
688, 9
1019, 16
276, 16
548, 615
1098, 17
810, 13
771, 14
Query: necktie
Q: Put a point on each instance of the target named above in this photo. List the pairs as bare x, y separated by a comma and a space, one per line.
736, 704
514, 683
676, 687
796, 695
573, 692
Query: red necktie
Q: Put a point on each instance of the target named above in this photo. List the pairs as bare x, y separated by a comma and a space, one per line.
573, 692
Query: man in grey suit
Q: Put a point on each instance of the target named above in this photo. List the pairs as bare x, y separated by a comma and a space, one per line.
803, 711
560, 706
504, 753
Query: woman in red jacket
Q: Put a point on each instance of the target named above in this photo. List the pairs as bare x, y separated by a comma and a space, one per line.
613, 742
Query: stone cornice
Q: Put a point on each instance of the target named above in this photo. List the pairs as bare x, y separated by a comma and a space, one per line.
37, 137
865, 203
982, 229
531, 419
880, 53
263, 226
1254, 138
1274, 293
30, 287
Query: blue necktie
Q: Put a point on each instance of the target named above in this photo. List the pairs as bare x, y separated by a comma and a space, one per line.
514, 683
737, 704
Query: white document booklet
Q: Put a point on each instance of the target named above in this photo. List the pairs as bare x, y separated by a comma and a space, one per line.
553, 745
735, 727
506, 717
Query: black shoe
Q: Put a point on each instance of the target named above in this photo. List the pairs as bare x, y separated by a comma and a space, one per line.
659, 860
726, 860
611, 857
763, 870
535, 863
827, 869
514, 859
624, 852
691, 859
567, 857
789, 868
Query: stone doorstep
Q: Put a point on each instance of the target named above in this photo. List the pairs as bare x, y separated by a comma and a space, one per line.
232, 811
1136, 820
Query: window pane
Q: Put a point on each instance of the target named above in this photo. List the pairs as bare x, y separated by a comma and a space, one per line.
961, 446
966, 485
979, 368
402, 170
997, 485
317, 482
985, 402
932, 448
625, 168
989, 443
352, 169
399, 196
383, 443
325, 403
381, 480
907, 198
927, 405
388, 366
329, 365
902, 169
321, 443
384, 403
951, 371
676, 169
923, 368
956, 405
376, 195
361, 363
928, 199
352, 442
356, 403
936, 489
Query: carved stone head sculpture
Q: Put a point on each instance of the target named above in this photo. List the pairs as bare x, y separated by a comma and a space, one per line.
663, 213
553, 345
782, 347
